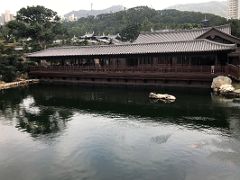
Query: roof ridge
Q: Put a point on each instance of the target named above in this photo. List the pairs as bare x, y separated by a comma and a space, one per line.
141, 44
174, 31
199, 45
184, 30
221, 44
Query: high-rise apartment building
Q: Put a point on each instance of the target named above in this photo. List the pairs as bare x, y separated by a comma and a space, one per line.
233, 9
6, 17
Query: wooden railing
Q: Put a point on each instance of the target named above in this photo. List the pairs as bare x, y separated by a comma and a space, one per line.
142, 69
233, 71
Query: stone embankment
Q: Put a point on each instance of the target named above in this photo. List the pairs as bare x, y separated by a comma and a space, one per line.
222, 85
18, 83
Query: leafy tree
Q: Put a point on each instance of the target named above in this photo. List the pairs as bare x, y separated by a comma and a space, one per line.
132, 21
235, 24
37, 23
5, 34
12, 64
131, 32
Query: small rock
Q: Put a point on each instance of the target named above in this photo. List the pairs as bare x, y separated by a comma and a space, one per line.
166, 97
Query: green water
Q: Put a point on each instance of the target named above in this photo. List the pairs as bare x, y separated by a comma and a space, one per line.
69, 132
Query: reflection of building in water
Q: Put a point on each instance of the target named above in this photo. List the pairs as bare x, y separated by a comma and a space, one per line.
48, 110
234, 125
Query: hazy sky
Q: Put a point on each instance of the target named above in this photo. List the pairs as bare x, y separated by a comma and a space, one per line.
64, 6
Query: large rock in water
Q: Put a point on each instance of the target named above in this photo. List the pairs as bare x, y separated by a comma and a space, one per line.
231, 94
223, 85
226, 88
166, 97
220, 81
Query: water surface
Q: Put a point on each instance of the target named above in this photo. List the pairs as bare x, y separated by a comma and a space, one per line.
70, 132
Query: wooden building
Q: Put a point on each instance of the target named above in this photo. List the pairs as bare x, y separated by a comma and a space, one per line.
173, 57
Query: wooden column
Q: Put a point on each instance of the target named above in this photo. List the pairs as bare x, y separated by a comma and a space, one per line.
216, 60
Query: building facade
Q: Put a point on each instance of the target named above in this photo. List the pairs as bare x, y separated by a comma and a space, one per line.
175, 57
233, 9
6, 17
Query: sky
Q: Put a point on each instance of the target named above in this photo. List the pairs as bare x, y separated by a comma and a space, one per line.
64, 6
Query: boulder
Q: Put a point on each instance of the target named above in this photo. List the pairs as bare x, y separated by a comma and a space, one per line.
226, 88
166, 97
230, 94
237, 91
219, 81
222, 85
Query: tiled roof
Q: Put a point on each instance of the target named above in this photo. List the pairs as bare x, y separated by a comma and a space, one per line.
200, 45
177, 35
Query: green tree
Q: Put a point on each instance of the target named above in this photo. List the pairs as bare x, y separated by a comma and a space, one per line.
131, 32
12, 63
37, 23
5, 34
130, 22
235, 25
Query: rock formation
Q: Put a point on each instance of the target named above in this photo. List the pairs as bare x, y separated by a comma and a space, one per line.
162, 97
222, 85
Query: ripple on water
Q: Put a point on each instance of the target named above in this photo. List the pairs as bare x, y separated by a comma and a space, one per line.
76, 133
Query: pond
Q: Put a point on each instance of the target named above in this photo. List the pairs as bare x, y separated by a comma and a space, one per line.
71, 132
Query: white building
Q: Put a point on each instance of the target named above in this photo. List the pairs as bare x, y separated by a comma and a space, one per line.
6, 17
233, 12
72, 18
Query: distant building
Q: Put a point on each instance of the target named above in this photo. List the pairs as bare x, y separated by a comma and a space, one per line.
233, 9
205, 22
93, 39
72, 18
6, 17
1, 20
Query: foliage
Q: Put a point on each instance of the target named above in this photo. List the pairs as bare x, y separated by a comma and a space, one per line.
36, 25
132, 21
235, 25
131, 32
12, 65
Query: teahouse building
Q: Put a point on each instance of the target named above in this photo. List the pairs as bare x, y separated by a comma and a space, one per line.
170, 57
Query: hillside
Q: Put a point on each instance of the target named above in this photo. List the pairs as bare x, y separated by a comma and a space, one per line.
215, 7
86, 13
130, 22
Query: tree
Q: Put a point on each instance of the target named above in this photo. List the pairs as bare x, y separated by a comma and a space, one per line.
235, 25
131, 32
12, 63
133, 20
36, 23
5, 34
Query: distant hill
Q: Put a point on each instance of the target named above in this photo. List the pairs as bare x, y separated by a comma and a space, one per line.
214, 7
86, 13
132, 21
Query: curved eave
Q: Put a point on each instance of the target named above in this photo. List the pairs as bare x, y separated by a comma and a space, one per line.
201, 45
